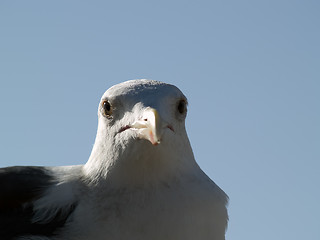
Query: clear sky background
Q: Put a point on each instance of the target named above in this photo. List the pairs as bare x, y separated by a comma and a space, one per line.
250, 69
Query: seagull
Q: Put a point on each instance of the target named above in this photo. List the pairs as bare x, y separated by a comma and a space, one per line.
141, 181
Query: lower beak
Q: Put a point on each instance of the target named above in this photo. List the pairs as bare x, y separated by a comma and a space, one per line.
150, 127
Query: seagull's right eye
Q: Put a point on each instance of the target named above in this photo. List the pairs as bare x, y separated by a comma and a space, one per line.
106, 107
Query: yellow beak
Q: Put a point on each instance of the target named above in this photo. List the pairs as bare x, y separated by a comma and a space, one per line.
150, 127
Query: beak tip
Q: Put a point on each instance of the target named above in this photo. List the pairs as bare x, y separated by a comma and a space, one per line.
154, 139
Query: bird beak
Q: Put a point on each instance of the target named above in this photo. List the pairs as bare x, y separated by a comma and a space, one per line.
150, 127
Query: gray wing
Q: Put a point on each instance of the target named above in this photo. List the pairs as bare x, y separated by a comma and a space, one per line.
19, 188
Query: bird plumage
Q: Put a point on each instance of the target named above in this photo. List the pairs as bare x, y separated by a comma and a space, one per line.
21, 187
141, 180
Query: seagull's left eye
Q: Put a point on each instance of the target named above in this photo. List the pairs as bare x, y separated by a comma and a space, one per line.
182, 106
106, 107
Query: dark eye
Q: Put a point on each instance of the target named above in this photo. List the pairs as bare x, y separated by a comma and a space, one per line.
107, 109
182, 106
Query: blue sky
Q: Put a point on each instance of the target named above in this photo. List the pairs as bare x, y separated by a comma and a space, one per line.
250, 70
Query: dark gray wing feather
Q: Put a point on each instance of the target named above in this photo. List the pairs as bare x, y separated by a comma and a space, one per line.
19, 188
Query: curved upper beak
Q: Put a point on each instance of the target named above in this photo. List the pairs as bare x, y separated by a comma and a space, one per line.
150, 127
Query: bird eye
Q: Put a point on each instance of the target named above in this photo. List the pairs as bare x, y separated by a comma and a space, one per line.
107, 109
182, 106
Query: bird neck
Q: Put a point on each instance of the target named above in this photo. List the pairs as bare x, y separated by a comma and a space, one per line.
139, 162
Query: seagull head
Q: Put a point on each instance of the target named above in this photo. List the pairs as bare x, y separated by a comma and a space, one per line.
143, 109
141, 122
